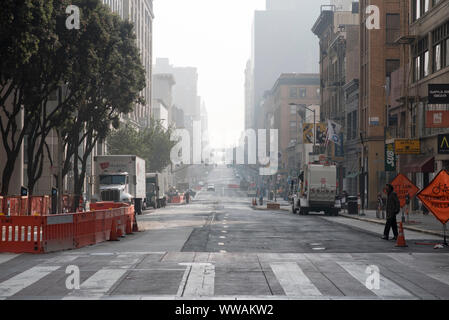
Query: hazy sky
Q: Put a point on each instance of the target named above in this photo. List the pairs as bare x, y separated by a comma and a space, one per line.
215, 37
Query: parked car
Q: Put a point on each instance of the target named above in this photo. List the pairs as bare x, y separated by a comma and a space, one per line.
211, 187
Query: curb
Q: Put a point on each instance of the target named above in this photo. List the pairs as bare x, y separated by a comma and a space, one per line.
435, 233
266, 209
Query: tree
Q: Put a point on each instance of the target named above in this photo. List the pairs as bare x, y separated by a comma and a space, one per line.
27, 29
152, 144
113, 77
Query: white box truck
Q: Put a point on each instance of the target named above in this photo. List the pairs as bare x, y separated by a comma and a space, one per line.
120, 179
157, 186
316, 190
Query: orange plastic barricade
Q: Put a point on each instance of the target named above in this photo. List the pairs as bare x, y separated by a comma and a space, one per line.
14, 206
21, 234
85, 224
58, 232
48, 233
101, 232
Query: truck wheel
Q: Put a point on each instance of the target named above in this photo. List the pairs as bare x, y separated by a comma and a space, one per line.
293, 209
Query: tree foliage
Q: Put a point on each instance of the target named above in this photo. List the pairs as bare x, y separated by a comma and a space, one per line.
152, 144
96, 70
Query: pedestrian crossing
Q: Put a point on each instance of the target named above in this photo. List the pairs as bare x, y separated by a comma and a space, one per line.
180, 275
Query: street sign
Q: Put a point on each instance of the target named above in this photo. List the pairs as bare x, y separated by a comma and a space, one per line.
438, 93
443, 144
23, 191
407, 146
403, 187
436, 196
390, 158
437, 119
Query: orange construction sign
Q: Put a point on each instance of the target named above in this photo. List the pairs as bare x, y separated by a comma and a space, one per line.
403, 186
436, 196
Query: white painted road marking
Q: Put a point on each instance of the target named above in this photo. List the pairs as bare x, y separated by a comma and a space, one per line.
19, 282
98, 284
5, 257
198, 280
293, 280
387, 287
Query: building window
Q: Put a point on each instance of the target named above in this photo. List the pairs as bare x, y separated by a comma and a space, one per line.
421, 59
420, 7
437, 57
440, 42
426, 63
318, 92
293, 110
292, 124
302, 92
393, 28
446, 64
293, 93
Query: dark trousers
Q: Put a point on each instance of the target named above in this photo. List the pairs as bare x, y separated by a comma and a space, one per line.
391, 223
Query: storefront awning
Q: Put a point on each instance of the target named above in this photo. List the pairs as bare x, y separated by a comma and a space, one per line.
412, 163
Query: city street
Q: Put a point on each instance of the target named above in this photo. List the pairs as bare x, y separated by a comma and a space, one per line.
219, 247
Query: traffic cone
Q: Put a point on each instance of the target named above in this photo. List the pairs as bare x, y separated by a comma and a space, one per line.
401, 238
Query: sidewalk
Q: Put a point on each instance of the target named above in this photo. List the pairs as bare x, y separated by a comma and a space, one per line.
417, 221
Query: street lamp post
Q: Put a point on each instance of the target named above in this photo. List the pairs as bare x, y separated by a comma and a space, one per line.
314, 122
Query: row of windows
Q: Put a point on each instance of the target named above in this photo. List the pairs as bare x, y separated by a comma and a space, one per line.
301, 92
421, 7
422, 63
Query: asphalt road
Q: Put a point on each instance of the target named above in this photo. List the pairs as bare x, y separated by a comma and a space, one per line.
219, 247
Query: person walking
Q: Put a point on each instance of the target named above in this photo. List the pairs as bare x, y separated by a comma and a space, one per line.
380, 212
393, 207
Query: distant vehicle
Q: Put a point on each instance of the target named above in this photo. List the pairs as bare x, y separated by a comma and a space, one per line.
120, 178
252, 193
211, 187
317, 190
156, 189
201, 183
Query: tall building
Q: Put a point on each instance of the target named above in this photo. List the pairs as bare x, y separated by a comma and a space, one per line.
412, 113
380, 55
338, 32
163, 97
280, 45
140, 12
249, 98
290, 88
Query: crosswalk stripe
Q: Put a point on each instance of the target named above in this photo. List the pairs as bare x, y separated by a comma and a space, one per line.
198, 280
411, 262
103, 280
98, 284
19, 282
5, 257
387, 288
293, 280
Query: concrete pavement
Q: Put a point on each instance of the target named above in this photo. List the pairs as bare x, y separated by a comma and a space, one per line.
218, 247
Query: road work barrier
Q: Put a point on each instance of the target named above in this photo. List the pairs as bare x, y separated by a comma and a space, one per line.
49, 233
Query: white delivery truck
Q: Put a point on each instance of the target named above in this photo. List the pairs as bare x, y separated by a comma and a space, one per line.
316, 190
157, 186
120, 179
